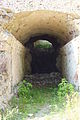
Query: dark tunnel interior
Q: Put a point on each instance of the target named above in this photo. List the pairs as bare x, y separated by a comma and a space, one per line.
43, 59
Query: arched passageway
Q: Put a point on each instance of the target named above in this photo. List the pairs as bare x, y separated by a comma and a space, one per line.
44, 56
56, 27
63, 29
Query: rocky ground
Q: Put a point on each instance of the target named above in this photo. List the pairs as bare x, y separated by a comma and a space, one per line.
58, 5
52, 79
40, 115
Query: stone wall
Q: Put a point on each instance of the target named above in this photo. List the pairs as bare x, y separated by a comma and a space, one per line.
5, 15
70, 60
12, 56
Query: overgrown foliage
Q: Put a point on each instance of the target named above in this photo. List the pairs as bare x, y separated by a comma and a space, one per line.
65, 88
24, 89
30, 100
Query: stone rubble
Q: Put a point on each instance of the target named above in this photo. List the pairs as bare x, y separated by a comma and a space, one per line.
52, 79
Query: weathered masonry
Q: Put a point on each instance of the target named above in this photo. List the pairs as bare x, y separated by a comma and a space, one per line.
60, 29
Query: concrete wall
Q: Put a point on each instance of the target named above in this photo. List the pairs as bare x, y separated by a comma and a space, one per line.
18, 61
71, 61
58, 24
12, 55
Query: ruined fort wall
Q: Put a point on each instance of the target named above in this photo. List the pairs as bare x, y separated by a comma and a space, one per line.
11, 65
12, 52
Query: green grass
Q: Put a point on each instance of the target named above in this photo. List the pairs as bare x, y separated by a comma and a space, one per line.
38, 98
22, 105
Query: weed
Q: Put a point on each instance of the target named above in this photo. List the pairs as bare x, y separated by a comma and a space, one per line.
30, 100
24, 89
65, 88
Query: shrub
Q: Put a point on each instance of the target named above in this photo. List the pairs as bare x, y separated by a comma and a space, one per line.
65, 88
24, 89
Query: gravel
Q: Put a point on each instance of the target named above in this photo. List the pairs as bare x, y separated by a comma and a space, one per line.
29, 5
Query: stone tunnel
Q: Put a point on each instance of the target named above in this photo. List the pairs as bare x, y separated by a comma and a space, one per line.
16, 40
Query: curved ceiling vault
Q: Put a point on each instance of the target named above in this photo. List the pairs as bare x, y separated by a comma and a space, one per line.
29, 24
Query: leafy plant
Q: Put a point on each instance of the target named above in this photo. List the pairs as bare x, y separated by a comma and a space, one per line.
65, 88
24, 89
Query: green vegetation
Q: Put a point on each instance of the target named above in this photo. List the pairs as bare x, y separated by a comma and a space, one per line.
43, 44
65, 88
30, 100
24, 89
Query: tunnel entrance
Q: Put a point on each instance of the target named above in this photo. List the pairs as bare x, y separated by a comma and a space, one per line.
16, 34
44, 51
43, 58
59, 27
